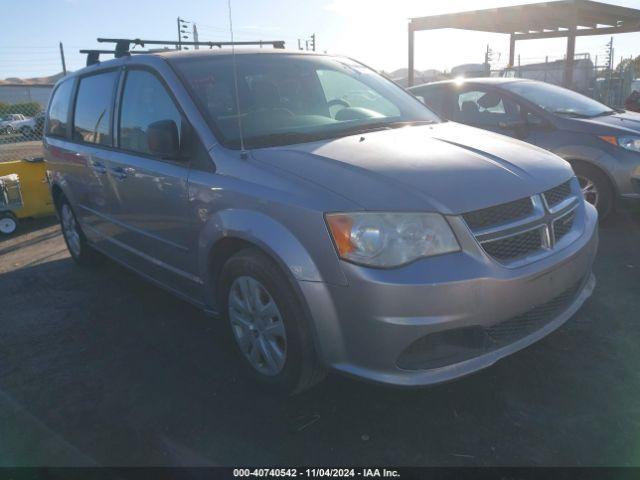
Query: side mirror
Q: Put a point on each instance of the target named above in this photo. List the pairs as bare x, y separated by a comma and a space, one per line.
163, 139
421, 98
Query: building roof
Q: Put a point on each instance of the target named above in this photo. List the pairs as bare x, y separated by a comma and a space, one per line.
540, 20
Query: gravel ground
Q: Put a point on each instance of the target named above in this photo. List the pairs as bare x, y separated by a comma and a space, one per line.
99, 367
19, 150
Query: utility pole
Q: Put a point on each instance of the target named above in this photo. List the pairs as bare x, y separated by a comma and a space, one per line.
64, 64
179, 46
309, 43
183, 32
195, 36
610, 68
487, 60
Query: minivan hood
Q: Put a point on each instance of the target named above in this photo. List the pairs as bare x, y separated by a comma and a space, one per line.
447, 167
618, 123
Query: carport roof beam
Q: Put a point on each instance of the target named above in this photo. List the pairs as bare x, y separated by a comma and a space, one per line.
564, 18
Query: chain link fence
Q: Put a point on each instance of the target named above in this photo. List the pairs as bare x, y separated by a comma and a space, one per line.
21, 126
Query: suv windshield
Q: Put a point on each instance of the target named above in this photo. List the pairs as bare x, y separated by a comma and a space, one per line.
292, 98
559, 100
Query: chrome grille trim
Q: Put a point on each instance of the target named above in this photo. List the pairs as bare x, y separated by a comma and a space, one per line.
542, 217
492, 217
555, 196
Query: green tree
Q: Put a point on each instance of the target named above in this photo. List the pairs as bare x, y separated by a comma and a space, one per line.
28, 109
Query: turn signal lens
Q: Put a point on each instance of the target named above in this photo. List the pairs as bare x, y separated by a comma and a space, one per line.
340, 226
609, 139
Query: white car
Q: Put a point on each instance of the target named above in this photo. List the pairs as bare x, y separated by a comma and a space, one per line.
17, 122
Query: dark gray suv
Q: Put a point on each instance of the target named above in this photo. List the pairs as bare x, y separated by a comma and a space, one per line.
601, 143
322, 213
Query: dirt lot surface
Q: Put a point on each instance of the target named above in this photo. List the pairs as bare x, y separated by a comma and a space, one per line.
10, 151
98, 367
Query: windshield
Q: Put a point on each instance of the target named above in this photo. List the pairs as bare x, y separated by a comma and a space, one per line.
291, 98
559, 100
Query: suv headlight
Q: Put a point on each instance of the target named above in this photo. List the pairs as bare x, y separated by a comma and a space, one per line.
630, 143
390, 239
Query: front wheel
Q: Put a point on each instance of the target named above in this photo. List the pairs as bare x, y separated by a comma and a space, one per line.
80, 250
596, 188
269, 328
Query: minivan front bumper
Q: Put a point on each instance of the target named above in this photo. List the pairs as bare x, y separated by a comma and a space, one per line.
444, 317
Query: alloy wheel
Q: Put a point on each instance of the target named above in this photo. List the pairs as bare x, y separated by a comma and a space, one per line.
589, 190
257, 325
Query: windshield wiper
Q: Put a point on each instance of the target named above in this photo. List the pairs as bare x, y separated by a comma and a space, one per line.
374, 127
286, 138
571, 113
280, 138
605, 113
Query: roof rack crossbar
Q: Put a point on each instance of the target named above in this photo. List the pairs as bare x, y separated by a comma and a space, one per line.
123, 44
93, 55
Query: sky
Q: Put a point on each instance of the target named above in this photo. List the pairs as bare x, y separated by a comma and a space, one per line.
372, 31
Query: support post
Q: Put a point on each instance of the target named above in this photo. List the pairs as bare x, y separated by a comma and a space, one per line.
195, 36
410, 73
567, 80
512, 49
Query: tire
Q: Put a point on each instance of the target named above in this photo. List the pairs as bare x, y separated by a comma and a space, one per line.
596, 188
8, 223
79, 249
26, 131
286, 329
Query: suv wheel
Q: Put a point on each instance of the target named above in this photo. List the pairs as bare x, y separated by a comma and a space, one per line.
8, 223
26, 131
77, 244
269, 327
595, 187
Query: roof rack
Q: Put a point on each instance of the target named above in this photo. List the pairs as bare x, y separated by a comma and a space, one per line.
123, 46
93, 56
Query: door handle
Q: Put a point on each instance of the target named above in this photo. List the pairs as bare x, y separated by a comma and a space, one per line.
99, 167
119, 172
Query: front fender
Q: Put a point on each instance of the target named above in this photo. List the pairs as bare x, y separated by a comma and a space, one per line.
263, 231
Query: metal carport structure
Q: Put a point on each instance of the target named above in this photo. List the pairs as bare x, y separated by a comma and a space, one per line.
564, 18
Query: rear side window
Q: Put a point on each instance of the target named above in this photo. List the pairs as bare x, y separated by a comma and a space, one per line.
484, 108
59, 110
92, 117
145, 101
435, 97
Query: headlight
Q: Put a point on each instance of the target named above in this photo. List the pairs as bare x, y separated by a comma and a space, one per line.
630, 143
390, 239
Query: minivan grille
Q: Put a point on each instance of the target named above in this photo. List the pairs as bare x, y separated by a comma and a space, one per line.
563, 225
492, 216
524, 229
514, 247
557, 194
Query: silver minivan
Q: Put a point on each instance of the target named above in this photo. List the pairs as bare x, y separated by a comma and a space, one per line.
325, 215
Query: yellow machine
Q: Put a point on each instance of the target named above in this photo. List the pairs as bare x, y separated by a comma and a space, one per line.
24, 192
